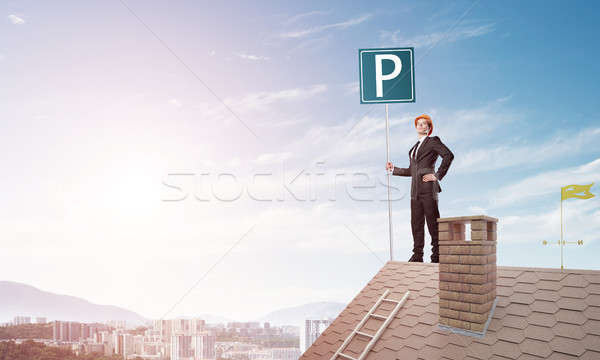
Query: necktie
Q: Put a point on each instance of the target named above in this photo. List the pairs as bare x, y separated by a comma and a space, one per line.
414, 153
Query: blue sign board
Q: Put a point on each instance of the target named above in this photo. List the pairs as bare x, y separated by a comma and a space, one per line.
386, 75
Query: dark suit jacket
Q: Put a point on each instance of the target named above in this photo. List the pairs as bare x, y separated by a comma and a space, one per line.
428, 153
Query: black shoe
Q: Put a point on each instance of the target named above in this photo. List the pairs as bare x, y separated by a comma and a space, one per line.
416, 258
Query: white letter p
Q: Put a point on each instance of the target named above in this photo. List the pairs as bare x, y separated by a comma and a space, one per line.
379, 77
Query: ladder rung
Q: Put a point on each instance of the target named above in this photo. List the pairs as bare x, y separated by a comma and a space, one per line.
378, 316
391, 300
364, 334
375, 337
346, 356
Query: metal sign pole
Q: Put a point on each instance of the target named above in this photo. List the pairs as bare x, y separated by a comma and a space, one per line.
394, 67
389, 173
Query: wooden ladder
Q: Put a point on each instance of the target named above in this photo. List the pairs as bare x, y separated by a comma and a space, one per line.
371, 314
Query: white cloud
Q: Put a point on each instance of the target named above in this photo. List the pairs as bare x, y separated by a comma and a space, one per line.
262, 99
266, 159
15, 19
278, 122
547, 183
581, 222
503, 156
360, 138
295, 18
312, 44
264, 103
212, 53
317, 29
251, 57
175, 102
351, 88
398, 38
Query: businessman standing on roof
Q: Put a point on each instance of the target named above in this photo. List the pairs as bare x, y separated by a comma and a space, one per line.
424, 187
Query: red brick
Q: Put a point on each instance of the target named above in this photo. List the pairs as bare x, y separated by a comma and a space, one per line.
450, 295
459, 268
482, 308
472, 317
474, 259
449, 259
449, 277
458, 228
481, 250
460, 250
479, 269
477, 327
476, 298
481, 288
459, 324
460, 287
479, 235
478, 225
444, 303
449, 313
472, 278
459, 305
445, 235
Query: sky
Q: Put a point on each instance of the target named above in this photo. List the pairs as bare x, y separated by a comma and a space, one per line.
180, 158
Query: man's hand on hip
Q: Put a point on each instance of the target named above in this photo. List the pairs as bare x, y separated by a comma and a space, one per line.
429, 177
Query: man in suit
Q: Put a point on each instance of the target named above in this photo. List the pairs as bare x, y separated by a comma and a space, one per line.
424, 186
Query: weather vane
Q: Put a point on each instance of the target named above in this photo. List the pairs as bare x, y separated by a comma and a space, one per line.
567, 192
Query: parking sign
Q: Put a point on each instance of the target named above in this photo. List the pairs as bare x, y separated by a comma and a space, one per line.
386, 75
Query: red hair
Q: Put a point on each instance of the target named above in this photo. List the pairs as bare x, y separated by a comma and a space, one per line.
427, 119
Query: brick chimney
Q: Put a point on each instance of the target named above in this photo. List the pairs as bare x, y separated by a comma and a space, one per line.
467, 272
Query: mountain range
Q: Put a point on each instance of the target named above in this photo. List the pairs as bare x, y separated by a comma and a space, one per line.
17, 299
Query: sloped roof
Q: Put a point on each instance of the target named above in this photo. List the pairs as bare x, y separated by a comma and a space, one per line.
540, 314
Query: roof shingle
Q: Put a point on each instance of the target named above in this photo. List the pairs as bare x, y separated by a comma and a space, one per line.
540, 314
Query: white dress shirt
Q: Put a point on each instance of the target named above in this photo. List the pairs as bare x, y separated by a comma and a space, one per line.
416, 151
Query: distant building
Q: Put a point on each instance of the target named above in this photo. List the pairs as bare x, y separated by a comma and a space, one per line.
71, 331
20, 320
40, 320
310, 331
94, 348
204, 346
104, 337
165, 327
285, 354
128, 345
74, 331
138, 344
197, 326
117, 324
61, 331
181, 347
193, 347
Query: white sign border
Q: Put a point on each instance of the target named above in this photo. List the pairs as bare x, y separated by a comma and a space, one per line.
412, 75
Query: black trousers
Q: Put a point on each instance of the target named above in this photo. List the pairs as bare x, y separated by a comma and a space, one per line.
424, 207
